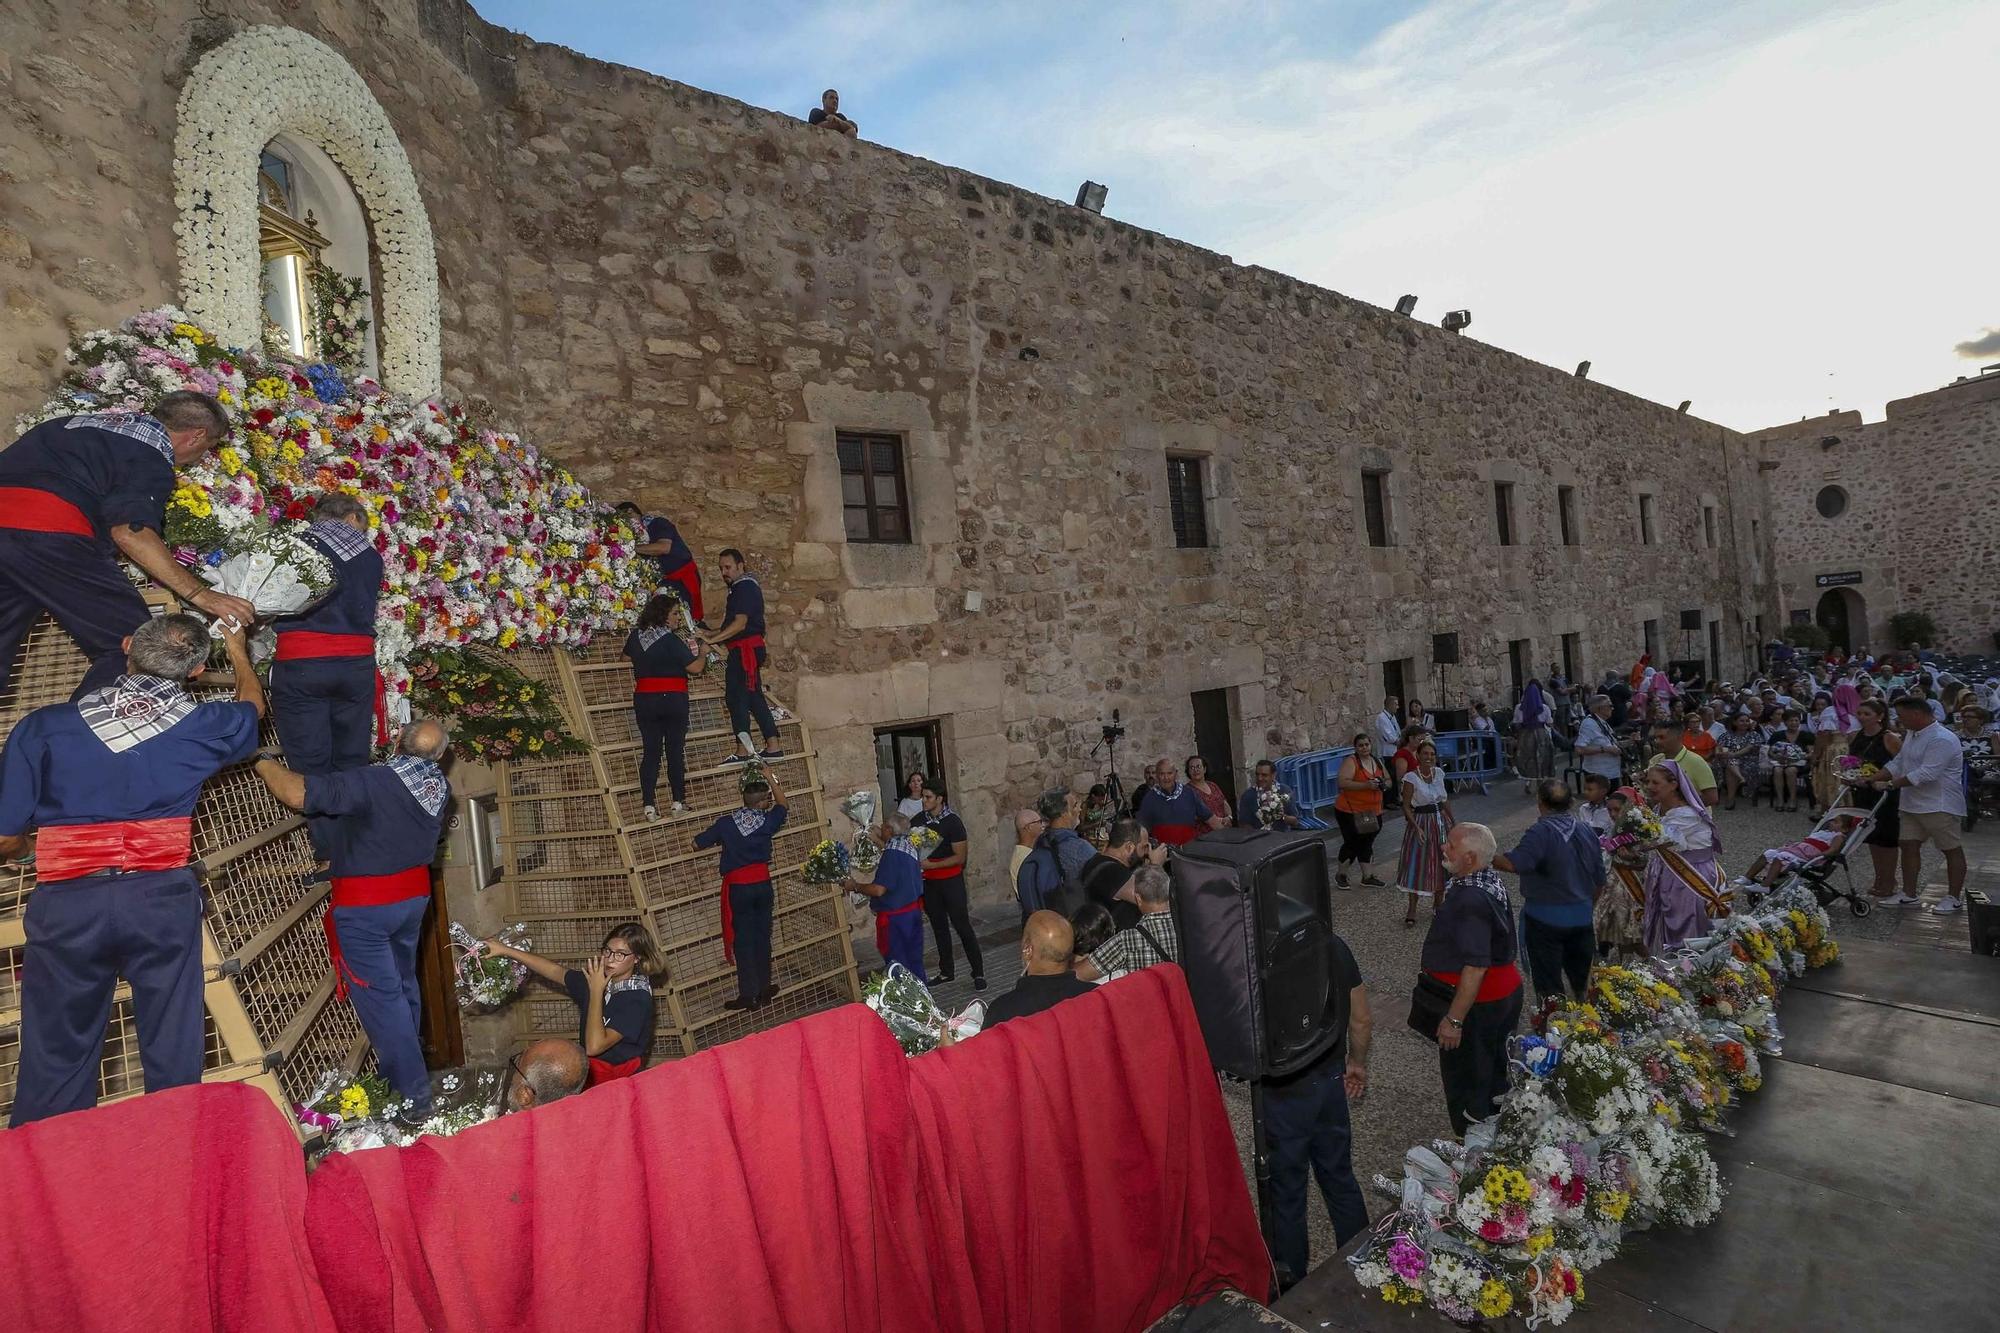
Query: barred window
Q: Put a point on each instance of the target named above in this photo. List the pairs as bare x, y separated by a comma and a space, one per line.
873, 494
1187, 500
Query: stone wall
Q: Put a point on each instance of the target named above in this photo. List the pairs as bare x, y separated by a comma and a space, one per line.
685, 298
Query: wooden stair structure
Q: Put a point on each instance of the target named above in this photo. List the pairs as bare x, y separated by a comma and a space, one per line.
580, 857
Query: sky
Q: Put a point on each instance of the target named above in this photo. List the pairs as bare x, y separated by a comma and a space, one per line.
1771, 207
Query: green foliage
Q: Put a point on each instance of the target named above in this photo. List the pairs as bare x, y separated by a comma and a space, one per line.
495, 711
1804, 636
1910, 628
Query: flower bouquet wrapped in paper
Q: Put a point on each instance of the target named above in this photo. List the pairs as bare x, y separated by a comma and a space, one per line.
1786, 755
861, 807
487, 981
905, 1004
1638, 831
274, 571
750, 774
1270, 806
827, 863
924, 841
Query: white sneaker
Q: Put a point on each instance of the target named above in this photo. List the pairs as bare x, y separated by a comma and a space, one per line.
1946, 905
677, 808
652, 815
1897, 899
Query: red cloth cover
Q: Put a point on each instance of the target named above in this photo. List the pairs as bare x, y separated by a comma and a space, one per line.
182, 1210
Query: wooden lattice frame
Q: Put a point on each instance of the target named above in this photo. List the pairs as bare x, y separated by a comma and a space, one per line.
580, 857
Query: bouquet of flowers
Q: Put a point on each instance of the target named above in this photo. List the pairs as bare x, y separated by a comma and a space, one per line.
272, 569
497, 711
924, 841
905, 1004
341, 1098
1856, 771
1270, 806
1631, 998
690, 633
861, 807
486, 981
355, 1111
1784, 754
827, 863
1637, 831
752, 774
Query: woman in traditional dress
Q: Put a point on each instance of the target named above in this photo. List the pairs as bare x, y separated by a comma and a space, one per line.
1684, 874
1616, 915
1831, 728
1211, 795
1534, 754
1427, 818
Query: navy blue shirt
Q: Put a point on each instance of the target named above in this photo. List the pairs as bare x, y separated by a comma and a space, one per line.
381, 825
357, 572
1561, 868
627, 1012
1246, 806
744, 836
660, 528
902, 882
1185, 807
666, 655
118, 474
746, 599
950, 829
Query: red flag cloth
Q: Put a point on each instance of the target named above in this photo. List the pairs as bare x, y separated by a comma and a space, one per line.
1079, 1169
182, 1210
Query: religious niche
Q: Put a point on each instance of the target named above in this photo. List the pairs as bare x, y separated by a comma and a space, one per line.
312, 310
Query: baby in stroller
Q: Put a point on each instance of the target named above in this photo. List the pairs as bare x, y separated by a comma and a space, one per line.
1815, 858
1827, 835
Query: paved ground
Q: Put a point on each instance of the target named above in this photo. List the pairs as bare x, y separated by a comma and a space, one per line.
1405, 1105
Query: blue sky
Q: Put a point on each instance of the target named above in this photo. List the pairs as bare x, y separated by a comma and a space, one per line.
1771, 207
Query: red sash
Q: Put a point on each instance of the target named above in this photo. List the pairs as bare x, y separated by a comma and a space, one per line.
745, 649
660, 685
25, 509
1174, 835
71, 851
882, 925
944, 872
689, 577
1498, 983
600, 1072
299, 645
367, 891
750, 874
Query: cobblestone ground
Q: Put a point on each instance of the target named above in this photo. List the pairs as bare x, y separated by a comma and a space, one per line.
1405, 1104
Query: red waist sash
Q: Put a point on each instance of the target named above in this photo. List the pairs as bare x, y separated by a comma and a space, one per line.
25, 509
1174, 835
367, 891
297, 645
943, 872
689, 577
882, 925
1498, 983
755, 873
601, 1072
71, 851
745, 649
659, 685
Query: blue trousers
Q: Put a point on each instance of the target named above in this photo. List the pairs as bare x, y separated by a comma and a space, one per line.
83, 934
750, 916
380, 946
1306, 1126
743, 702
906, 943
324, 710
78, 581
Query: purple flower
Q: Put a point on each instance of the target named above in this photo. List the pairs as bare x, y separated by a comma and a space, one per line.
1407, 1258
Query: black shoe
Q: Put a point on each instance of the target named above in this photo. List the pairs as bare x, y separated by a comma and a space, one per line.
978, 983
1340, 878
739, 1003
770, 994
771, 751
945, 976
1371, 881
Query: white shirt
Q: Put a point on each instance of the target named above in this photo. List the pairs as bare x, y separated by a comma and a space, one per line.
1388, 732
1422, 792
1597, 817
1686, 830
1594, 734
1933, 762
1482, 724
1829, 720
910, 806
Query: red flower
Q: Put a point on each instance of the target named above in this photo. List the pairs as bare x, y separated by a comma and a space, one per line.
295, 510
265, 416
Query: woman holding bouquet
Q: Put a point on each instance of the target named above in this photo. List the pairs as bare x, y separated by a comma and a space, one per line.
613, 993
661, 665
1684, 874
1427, 818
1357, 806
1875, 745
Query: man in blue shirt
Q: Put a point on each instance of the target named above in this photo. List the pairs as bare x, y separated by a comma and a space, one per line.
109, 783
79, 493
747, 897
742, 638
323, 678
896, 893
1172, 811
383, 823
662, 541
1562, 870
1249, 804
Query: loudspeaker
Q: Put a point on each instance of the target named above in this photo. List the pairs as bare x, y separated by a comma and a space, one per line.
1691, 619
1452, 719
1444, 649
1256, 925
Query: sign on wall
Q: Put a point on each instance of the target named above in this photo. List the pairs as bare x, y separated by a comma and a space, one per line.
1840, 580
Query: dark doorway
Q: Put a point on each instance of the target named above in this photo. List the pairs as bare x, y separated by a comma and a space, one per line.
915, 747
1837, 615
1714, 649
1212, 738
1519, 668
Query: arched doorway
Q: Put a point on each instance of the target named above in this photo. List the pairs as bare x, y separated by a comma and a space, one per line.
1844, 617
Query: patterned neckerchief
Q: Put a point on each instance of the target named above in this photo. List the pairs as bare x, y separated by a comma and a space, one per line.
649, 637
134, 709
748, 821
424, 780
343, 539
137, 425
637, 981
943, 813
1488, 881
901, 843
1179, 787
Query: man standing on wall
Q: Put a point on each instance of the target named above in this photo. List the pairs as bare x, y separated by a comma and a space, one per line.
827, 115
742, 638
669, 550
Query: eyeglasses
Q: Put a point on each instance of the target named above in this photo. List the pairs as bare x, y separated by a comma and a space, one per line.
608, 952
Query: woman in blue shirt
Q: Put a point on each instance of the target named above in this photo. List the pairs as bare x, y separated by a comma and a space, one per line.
613, 994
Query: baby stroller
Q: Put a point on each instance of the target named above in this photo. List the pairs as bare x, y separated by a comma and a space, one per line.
1817, 874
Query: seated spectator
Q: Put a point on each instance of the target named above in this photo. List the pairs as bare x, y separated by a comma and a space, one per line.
1106, 878
613, 993
1249, 805
1046, 977
827, 115
547, 1071
1153, 938
1092, 926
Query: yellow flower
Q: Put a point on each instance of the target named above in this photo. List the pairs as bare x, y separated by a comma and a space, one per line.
1613, 1203
1539, 1241
354, 1102
508, 637
191, 333
1494, 1298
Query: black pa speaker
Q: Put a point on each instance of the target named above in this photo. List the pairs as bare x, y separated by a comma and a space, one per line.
1256, 926
1444, 649
1691, 619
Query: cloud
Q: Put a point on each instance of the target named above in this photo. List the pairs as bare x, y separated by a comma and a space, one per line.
1985, 345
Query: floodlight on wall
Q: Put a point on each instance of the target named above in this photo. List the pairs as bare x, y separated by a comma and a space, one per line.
1686, 403
1583, 370
1456, 320
1405, 304
1091, 196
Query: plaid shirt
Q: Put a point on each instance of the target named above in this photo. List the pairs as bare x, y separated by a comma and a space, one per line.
134, 709
1130, 949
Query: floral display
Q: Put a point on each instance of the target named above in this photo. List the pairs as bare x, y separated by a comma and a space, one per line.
482, 541
340, 318
914, 1018
860, 807
486, 981
1637, 829
827, 863
276, 572
924, 841
350, 1112
497, 712
1854, 770
1598, 1135
1270, 806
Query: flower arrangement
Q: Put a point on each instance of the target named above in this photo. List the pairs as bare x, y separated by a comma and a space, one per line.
924, 841
1270, 806
860, 808
482, 540
497, 712
340, 317
1856, 771
275, 570
827, 863
485, 981
1637, 830
905, 1004
355, 1111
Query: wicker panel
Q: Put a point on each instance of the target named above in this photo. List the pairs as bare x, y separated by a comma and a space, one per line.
537, 664
249, 892
120, 1072
278, 983
234, 806
703, 1001
677, 879
598, 686
549, 777
45, 672
613, 726
543, 816
541, 1012
601, 894
824, 993
802, 911
604, 650
327, 1043
15, 881
570, 940
584, 854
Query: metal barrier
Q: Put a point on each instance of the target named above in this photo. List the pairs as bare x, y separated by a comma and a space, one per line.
1464, 756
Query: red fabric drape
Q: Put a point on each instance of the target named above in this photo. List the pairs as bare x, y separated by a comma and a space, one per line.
182, 1210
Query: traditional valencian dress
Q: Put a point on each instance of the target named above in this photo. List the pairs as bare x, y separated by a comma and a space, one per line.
1421, 869
1684, 880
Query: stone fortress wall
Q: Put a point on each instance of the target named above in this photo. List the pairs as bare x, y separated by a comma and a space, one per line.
685, 298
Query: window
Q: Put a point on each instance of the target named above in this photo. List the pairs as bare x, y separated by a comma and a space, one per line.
1518, 668
1831, 502
1652, 631
1708, 526
1572, 656
1566, 514
1714, 648
1645, 520
872, 494
1375, 506
1186, 499
1503, 510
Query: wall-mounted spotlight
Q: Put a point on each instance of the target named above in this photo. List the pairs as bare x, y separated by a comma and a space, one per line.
1583, 370
1405, 304
1090, 196
1456, 320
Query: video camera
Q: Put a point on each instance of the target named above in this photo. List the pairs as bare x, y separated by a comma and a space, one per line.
1113, 730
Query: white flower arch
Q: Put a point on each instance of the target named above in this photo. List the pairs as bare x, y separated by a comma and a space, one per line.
262, 82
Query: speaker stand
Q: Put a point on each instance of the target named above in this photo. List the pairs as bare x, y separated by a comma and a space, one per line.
1260, 1154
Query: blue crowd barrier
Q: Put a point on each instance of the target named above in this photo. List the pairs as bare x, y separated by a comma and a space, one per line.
1465, 756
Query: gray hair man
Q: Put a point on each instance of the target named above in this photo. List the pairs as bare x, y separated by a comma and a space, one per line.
1471, 948
1154, 938
1597, 748
110, 781
1562, 871
547, 1071
1054, 866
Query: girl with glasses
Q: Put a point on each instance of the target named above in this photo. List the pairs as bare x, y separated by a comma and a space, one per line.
613, 994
